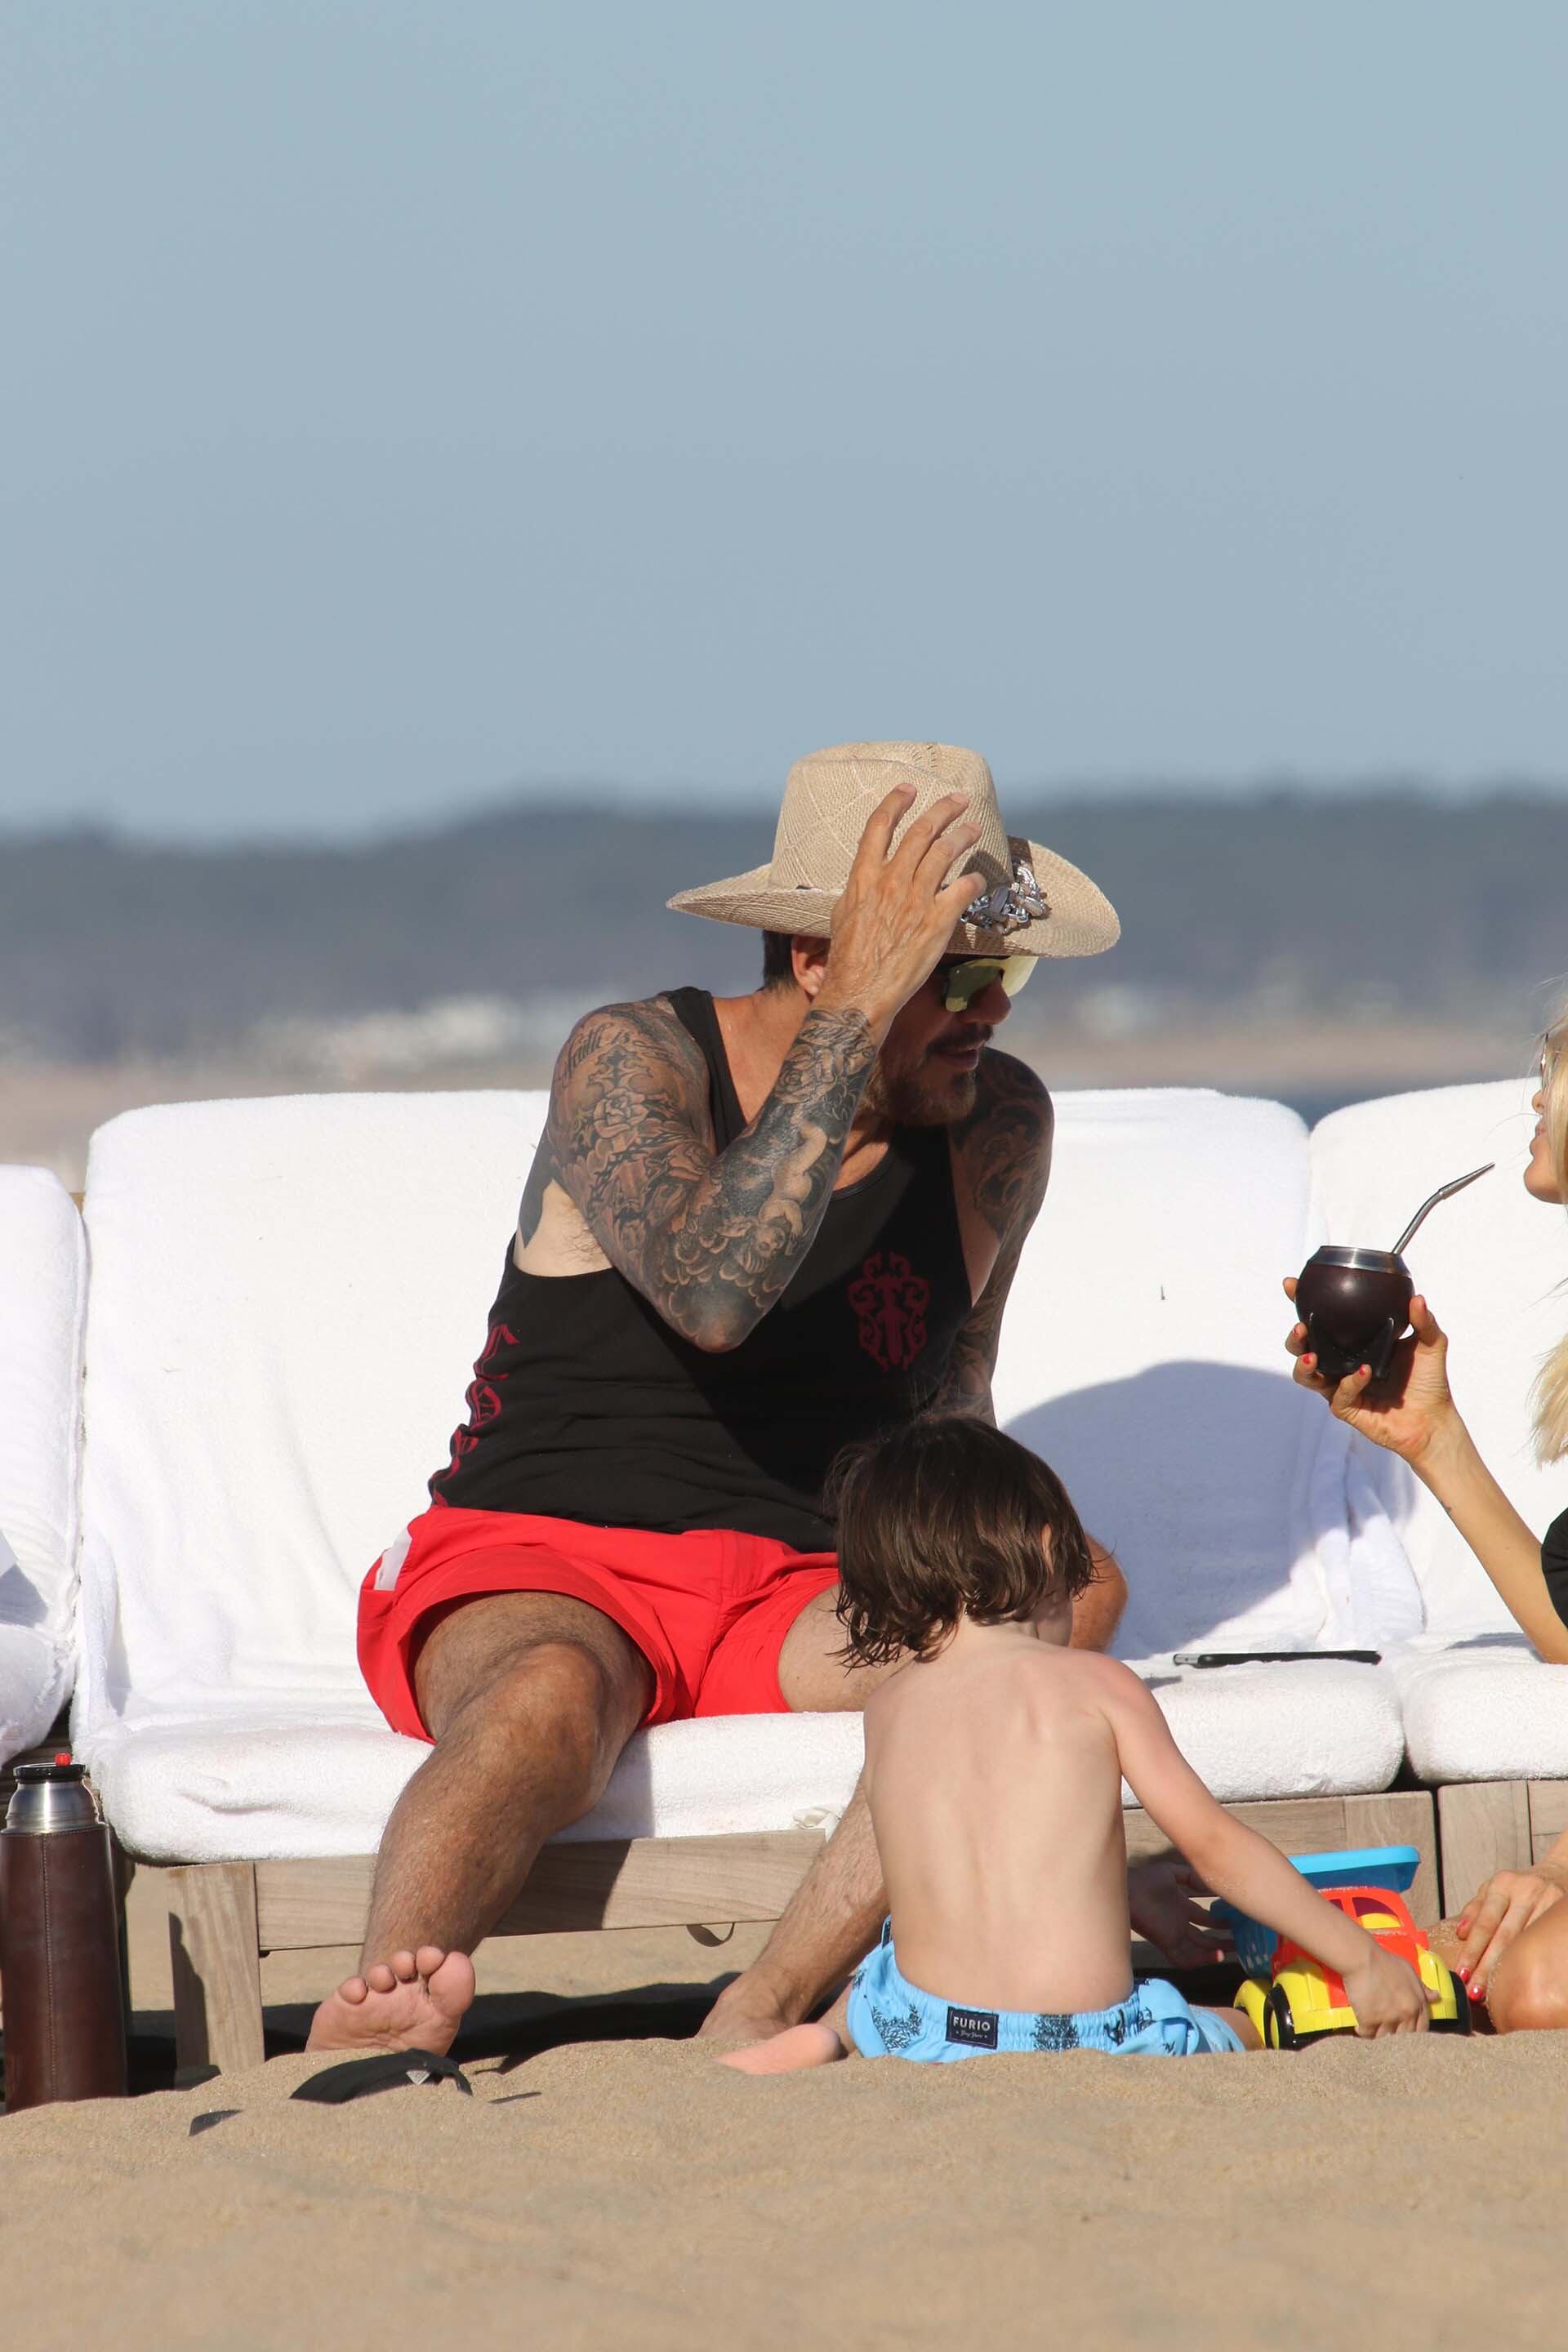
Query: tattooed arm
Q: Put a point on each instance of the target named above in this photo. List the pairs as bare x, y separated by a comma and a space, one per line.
1002, 1164
710, 1239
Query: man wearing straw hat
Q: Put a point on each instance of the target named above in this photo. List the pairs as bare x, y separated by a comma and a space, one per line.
754, 1230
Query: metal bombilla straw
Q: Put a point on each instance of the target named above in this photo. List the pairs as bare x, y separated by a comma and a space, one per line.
1443, 1192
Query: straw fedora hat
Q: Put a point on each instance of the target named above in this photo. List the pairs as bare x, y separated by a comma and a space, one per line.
1033, 902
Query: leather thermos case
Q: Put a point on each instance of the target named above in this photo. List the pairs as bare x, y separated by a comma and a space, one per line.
59, 1944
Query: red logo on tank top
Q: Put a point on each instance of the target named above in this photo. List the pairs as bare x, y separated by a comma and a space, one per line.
483, 1397
890, 1302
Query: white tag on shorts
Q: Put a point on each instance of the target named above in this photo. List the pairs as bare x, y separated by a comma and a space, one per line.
389, 1568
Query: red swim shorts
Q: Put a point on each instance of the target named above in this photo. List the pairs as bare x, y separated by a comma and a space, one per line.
708, 1610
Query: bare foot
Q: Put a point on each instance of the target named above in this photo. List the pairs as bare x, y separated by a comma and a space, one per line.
415, 2000
1240, 2024
786, 2053
746, 2012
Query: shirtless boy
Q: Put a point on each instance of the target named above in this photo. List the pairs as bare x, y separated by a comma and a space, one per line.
995, 1759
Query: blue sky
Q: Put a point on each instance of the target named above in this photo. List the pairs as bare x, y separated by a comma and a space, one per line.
408, 402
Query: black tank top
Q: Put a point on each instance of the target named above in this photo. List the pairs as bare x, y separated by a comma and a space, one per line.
1554, 1564
585, 1405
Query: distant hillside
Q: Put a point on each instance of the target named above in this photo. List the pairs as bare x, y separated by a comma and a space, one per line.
1387, 904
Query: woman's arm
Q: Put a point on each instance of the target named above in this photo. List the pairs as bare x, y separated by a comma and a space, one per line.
1411, 1411
1453, 1470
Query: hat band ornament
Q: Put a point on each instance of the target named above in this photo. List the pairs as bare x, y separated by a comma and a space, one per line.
1011, 906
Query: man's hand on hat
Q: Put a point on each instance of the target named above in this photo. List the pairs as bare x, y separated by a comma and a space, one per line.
900, 907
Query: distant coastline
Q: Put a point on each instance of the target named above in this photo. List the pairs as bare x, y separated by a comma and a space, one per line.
1379, 912
48, 1109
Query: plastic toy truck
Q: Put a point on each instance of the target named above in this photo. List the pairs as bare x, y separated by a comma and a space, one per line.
1292, 1997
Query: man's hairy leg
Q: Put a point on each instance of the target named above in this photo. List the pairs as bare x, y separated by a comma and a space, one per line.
835, 1914
531, 1697
829, 1925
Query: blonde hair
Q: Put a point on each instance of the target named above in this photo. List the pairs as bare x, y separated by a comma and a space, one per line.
1550, 1395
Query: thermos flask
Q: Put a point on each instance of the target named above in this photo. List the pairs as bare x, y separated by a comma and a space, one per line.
59, 1943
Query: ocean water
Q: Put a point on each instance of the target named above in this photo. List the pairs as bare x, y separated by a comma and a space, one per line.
1314, 1107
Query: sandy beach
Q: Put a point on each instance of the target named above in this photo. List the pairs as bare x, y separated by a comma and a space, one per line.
606, 2190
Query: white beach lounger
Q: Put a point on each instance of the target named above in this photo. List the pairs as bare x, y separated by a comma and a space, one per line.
42, 1301
1485, 1721
286, 1299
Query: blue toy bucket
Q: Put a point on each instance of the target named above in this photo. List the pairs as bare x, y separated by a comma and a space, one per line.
1393, 1866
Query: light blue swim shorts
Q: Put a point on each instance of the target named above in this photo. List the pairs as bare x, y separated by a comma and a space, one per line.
890, 2018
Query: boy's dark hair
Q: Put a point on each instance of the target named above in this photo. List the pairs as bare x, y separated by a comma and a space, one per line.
778, 958
941, 1518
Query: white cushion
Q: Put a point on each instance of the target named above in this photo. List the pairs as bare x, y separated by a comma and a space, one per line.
1491, 1263
1483, 1709
257, 1786
252, 1784
42, 1284
1321, 1727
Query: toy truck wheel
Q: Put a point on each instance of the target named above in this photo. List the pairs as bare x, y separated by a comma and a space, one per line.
1454, 1995
1281, 2032
1252, 1999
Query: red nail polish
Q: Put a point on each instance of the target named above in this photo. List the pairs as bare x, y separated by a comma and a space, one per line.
1476, 1993
1464, 1974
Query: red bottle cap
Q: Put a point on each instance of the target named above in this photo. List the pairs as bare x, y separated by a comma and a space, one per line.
64, 1757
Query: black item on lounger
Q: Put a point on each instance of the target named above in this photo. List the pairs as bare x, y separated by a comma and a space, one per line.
1271, 1657
1554, 1565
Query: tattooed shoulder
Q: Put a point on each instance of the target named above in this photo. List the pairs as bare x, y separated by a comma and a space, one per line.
641, 1045
641, 1038
1003, 1146
710, 1238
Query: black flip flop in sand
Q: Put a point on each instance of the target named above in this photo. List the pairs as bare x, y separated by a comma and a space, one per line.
357, 2078
395, 2070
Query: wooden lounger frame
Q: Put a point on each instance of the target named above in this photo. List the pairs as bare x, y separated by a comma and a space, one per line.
1487, 1825
223, 1917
